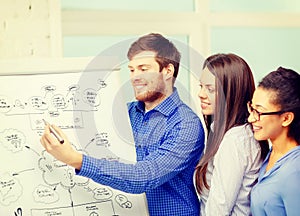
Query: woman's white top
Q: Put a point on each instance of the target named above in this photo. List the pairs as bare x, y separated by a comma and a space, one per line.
231, 174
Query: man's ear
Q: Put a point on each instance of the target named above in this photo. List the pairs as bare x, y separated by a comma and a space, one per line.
169, 71
288, 117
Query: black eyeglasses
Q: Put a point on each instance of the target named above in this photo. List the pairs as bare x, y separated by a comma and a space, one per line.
256, 114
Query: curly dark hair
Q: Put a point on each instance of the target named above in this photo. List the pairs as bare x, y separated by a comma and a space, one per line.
285, 83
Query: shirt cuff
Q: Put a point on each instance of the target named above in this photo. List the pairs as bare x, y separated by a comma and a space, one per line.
89, 166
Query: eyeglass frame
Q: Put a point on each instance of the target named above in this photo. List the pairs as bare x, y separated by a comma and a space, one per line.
252, 110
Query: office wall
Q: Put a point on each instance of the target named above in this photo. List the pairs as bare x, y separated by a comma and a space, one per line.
263, 33
30, 29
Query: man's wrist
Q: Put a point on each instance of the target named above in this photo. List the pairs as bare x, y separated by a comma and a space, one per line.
77, 162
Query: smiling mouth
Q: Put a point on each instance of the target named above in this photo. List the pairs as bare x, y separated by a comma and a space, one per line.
139, 89
204, 105
256, 128
139, 86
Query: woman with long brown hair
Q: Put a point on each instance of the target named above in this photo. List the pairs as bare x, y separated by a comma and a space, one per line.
230, 165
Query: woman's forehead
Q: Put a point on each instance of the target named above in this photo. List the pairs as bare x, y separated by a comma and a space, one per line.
206, 77
263, 98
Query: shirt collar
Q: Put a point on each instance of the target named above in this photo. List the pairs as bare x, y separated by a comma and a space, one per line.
293, 151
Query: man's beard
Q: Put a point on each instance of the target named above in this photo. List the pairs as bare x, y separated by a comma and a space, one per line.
149, 96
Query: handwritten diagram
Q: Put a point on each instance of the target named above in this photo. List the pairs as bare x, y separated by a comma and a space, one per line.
34, 183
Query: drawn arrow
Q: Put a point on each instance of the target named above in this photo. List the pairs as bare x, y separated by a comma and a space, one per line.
17, 173
32, 150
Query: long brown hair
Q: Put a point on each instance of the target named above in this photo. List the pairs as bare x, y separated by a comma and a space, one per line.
234, 88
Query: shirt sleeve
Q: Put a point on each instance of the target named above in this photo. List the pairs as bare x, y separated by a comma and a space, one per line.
291, 194
227, 176
182, 146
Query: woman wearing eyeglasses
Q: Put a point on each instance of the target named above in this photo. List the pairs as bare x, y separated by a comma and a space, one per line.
230, 165
275, 116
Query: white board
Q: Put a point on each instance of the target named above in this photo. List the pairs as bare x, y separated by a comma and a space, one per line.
79, 99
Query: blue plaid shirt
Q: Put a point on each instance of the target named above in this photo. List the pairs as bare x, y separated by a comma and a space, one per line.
169, 141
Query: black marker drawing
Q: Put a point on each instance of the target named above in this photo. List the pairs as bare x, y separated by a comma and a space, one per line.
32, 177
18, 212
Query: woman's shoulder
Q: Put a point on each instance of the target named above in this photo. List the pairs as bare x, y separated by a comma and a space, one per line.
293, 158
241, 137
240, 131
240, 142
